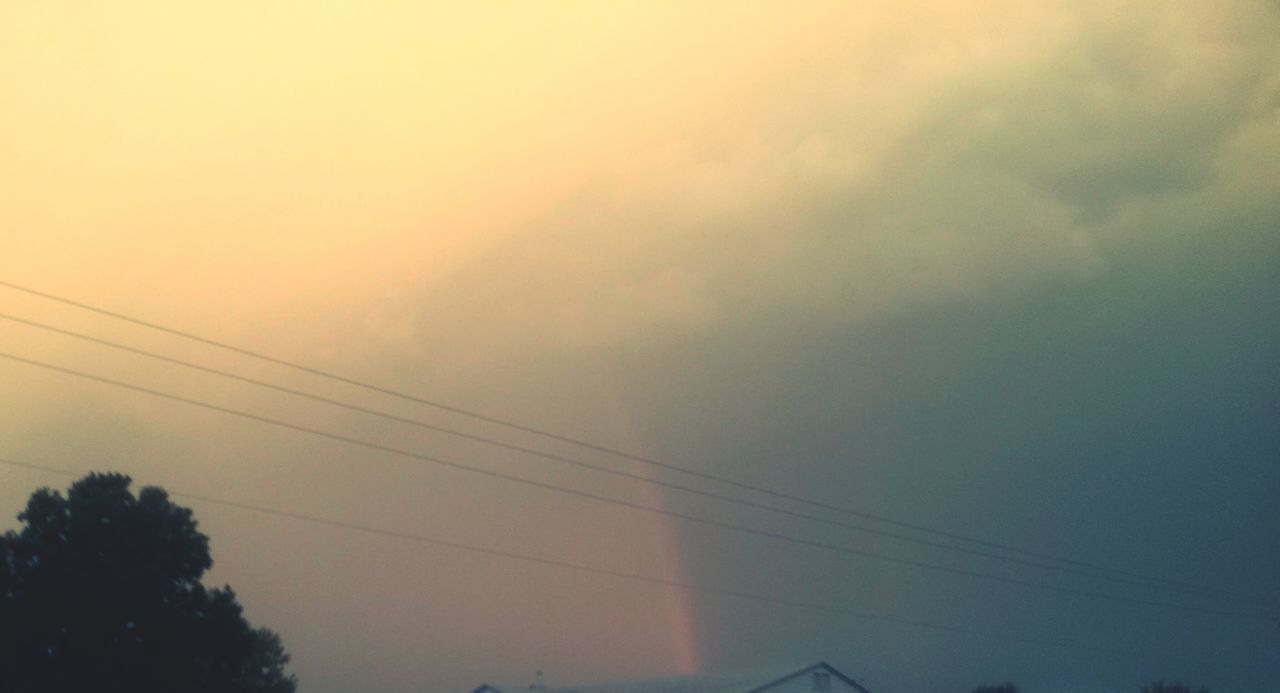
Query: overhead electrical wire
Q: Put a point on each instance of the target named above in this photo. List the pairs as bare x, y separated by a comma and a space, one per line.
596, 570
627, 504
588, 445
607, 470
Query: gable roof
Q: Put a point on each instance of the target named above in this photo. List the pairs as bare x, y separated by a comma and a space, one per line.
820, 665
739, 682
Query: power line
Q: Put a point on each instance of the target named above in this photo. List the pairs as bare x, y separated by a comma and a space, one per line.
781, 495
598, 468
596, 570
623, 503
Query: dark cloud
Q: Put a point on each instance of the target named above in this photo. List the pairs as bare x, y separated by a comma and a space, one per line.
1124, 418
1039, 319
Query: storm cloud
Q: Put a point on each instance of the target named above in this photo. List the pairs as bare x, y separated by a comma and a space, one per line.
1011, 271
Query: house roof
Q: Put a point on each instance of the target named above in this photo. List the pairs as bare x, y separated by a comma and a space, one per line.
738, 682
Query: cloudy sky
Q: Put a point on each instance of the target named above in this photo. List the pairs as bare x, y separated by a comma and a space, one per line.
1005, 270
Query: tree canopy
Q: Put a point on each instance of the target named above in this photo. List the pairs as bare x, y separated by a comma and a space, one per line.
100, 590
1163, 687
997, 688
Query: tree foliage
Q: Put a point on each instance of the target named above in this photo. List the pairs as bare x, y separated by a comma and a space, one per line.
997, 688
1162, 687
100, 590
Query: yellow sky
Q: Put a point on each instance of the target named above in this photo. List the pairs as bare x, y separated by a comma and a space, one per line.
268, 149
224, 167
246, 154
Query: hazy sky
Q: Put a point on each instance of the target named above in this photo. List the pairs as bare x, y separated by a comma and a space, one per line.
1006, 269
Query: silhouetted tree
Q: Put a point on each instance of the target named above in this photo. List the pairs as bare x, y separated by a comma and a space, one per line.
997, 688
100, 591
1162, 687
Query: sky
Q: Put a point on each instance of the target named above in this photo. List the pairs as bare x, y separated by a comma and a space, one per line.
1007, 270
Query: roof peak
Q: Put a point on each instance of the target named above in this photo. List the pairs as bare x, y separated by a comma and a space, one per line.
753, 680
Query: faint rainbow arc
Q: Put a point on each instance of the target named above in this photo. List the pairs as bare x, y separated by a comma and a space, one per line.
678, 604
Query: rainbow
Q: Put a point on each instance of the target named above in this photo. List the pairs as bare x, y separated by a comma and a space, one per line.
677, 605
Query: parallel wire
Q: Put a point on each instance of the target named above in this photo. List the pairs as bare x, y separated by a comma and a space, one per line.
329, 375
628, 504
606, 470
596, 570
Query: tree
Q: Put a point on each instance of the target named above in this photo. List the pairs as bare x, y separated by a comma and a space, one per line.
997, 688
1162, 687
101, 591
